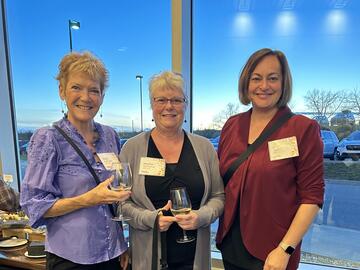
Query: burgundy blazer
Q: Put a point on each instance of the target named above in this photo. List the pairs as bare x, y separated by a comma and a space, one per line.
270, 192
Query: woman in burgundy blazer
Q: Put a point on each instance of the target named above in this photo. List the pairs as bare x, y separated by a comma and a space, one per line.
274, 195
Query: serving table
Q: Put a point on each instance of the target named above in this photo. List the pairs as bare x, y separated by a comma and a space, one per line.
14, 257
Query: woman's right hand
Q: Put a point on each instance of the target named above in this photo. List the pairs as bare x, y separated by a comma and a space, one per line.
101, 194
165, 221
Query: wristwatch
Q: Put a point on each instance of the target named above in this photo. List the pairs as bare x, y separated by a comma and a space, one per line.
287, 248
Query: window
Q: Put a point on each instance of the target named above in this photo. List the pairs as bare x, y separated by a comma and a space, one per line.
321, 41
133, 38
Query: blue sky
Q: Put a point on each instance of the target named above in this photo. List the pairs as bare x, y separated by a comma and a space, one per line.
134, 37
321, 44
130, 40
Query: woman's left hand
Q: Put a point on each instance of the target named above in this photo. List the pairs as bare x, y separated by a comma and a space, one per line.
277, 260
124, 260
189, 221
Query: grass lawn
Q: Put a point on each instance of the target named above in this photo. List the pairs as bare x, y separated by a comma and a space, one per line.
344, 170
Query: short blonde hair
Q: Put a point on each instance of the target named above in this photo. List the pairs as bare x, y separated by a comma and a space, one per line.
83, 62
249, 68
166, 80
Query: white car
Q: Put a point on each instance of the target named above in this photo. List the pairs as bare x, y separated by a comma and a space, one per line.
349, 147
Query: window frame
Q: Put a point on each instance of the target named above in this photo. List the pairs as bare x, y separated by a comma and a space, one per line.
9, 149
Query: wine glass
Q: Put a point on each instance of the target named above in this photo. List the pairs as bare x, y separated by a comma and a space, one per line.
122, 182
181, 205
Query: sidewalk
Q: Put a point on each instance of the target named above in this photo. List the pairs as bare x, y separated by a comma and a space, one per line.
328, 245
333, 242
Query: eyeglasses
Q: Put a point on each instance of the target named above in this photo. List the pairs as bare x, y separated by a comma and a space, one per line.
176, 101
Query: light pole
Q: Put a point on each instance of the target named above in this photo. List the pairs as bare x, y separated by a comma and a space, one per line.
140, 77
73, 25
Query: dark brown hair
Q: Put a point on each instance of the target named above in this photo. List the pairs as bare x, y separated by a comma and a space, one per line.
251, 64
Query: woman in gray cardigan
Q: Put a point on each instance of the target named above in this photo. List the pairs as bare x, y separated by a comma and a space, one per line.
164, 158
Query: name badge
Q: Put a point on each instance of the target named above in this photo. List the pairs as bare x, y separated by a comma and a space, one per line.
108, 159
152, 166
283, 148
8, 178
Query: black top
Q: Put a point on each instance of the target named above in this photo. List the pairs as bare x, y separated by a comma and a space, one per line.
186, 173
234, 251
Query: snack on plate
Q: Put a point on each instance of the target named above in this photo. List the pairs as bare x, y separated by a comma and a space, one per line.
36, 248
17, 216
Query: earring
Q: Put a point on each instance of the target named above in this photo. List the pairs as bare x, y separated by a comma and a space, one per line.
152, 120
185, 121
101, 114
63, 106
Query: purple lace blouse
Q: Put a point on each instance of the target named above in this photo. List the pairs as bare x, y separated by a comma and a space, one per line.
55, 171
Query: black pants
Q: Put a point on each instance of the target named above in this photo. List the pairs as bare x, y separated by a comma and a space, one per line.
180, 267
54, 262
230, 266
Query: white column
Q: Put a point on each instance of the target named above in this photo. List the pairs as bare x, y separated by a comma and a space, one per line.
182, 49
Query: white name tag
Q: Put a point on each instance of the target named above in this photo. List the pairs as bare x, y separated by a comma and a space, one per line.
8, 178
283, 148
108, 160
152, 166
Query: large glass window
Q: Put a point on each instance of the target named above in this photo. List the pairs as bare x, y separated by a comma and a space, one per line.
131, 37
321, 40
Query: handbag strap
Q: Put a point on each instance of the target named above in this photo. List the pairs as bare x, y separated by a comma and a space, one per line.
81, 154
163, 258
255, 145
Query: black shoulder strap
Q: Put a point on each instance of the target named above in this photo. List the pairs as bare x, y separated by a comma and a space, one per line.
154, 259
263, 136
163, 257
77, 149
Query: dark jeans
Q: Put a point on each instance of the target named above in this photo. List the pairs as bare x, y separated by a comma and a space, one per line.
54, 262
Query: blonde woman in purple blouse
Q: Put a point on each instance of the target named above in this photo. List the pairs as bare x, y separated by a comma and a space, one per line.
58, 189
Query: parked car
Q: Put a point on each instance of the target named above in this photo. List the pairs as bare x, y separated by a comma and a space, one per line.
322, 120
122, 141
215, 142
349, 147
23, 148
330, 141
343, 118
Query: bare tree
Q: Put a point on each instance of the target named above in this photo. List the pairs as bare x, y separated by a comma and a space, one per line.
324, 102
353, 100
220, 119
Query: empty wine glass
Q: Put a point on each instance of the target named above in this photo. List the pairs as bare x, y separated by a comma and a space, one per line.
181, 205
122, 182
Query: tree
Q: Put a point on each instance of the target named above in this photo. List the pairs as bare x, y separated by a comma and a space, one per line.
220, 119
208, 133
353, 100
25, 135
324, 102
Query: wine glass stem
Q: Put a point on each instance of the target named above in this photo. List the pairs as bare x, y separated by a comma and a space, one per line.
185, 236
120, 215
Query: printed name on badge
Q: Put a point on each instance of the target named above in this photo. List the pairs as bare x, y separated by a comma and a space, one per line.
283, 148
108, 159
152, 166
